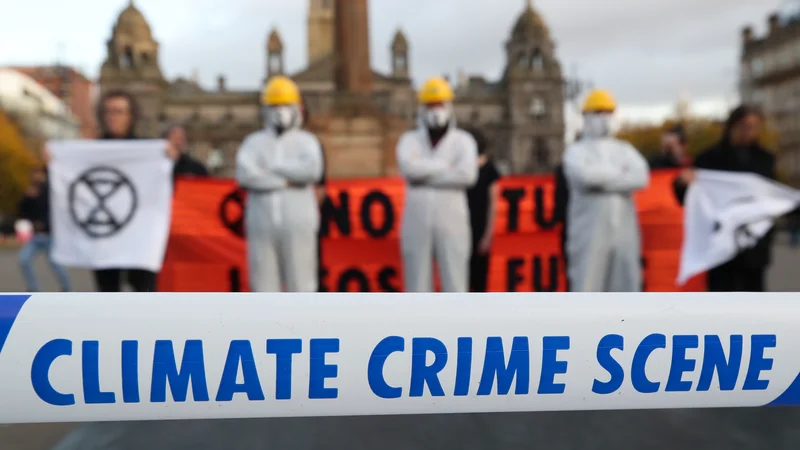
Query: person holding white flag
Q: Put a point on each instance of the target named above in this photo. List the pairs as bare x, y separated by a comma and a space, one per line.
603, 173
279, 167
731, 204
112, 199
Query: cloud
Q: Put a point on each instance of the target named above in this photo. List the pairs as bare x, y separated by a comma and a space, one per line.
646, 52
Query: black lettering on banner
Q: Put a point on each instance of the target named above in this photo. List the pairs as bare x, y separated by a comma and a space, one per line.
513, 197
643, 262
353, 275
541, 221
385, 279
323, 279
388, 214
538, 277
235, 279
513, 277
231, 212
340, 215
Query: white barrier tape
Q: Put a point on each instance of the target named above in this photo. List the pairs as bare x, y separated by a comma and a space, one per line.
98, 357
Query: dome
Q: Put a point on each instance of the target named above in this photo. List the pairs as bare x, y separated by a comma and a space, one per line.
400, 43
131, 22
529, 22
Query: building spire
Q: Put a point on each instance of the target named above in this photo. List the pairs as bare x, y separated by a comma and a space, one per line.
528, 4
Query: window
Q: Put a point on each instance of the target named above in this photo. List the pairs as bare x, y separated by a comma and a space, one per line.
542, 153
145, 59
400, 61
537, 61
522, 60
538, 107
275, 63
126, 62
475, 116
757, 67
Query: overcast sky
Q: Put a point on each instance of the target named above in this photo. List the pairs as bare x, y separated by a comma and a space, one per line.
648, 52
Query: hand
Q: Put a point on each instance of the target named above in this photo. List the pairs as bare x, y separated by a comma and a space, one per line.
485, 244
46, 157
172, 152
687, 176
32, 191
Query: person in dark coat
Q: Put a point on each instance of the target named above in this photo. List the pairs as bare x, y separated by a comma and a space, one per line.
186, 165
560, 201
321, 195
674, 147
118, 114
35, 207
482, 199
737, 151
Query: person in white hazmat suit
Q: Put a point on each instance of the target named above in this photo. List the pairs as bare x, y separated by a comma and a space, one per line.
439, 162
603, 173
279, 166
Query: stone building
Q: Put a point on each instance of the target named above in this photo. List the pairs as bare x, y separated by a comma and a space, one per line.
358, 112
770, 78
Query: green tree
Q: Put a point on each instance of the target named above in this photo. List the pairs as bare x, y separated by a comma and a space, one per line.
16, 161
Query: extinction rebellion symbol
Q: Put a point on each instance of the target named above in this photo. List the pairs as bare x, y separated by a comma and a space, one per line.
102, 201
231, 212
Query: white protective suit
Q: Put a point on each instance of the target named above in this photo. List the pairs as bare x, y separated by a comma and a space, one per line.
281, 221
435, 222
603, 236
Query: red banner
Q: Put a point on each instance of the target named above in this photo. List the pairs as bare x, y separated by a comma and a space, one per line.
360, 248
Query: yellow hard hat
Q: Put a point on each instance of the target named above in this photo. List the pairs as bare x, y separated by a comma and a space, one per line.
280, 90
436, 90
599, 101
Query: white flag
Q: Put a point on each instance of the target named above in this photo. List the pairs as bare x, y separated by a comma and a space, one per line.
111, 203
727, 212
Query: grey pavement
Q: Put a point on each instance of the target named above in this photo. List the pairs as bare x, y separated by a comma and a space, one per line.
733, 429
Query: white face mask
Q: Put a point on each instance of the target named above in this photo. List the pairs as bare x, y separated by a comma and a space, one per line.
597, 125
283, 117
437, 117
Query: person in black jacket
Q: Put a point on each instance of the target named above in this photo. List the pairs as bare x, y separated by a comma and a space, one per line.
674, 147
560, 201
738, 151
321, 195
483, 198
117, 114
35, 207
186, 165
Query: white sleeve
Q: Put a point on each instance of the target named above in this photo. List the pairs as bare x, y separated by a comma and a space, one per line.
464, 173
302, 164
251, 172
585, 170
635, 175
415, 166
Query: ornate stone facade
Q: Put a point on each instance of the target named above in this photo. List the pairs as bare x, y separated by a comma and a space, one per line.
770, 78
358, 112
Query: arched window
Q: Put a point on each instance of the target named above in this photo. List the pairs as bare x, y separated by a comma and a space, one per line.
400, 61
126, 59
537, 60
538, 107
275, 62
522, 59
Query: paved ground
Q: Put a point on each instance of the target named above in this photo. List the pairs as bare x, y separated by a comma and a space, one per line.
774, 429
